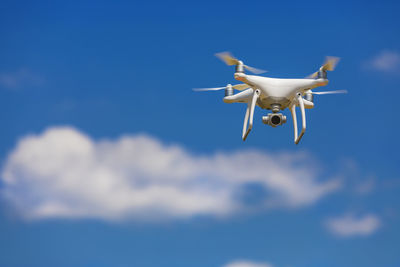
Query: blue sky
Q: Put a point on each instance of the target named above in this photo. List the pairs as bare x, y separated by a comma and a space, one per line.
110, 159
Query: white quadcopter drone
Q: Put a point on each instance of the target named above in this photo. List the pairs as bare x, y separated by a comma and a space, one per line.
274, 94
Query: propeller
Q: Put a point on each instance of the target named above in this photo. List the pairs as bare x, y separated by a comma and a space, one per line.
239, 87
230, 60
329, 64
329, 92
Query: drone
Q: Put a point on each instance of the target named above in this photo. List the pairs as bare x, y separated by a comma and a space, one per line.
274, 94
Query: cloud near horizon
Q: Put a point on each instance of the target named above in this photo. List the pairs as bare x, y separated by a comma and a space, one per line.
351, 225
386, 61
63, 173
246, 263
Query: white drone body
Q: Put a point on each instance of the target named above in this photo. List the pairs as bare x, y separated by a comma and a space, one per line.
274, 94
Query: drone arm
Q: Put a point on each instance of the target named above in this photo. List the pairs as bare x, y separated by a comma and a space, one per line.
243, 96
249, 113
300, 102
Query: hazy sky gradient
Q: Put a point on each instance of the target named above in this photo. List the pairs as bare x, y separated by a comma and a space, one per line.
98, 115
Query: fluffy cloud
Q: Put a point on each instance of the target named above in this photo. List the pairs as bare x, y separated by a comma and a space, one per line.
350, 225
245, 263
65, 173
386, 61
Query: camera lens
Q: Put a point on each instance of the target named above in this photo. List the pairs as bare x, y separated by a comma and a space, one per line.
275, 120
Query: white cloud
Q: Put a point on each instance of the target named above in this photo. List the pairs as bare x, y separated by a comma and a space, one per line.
350, 225
245, 263
386, 61
64, 173
22, 77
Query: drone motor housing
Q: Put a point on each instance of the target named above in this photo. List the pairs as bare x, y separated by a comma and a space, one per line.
309, 97
274, 119
229, 91
322, 74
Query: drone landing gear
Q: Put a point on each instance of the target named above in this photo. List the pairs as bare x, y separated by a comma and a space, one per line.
251, 104
300, 102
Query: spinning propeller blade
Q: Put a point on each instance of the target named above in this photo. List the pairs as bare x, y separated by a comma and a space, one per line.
230, 60
312, 76
254, 70
329, 64
209, 89
330, 92
239, 87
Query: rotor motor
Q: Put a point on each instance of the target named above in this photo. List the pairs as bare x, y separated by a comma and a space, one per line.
274, 119
229, 90
322, 74
240, 67
309, 96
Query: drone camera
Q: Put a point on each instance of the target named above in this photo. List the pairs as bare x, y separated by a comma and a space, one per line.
274, 119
